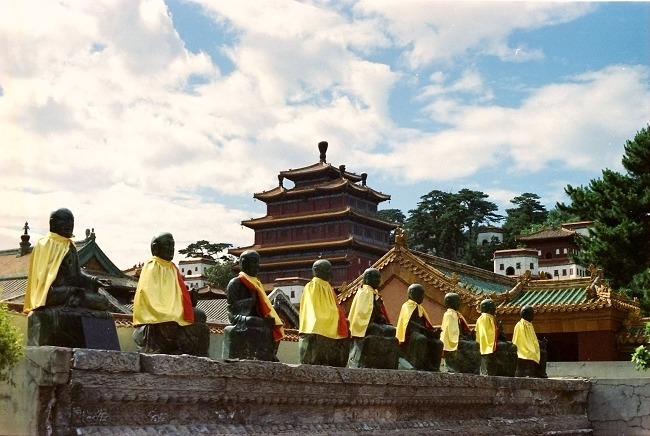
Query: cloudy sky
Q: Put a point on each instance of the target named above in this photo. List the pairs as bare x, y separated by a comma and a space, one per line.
144, 116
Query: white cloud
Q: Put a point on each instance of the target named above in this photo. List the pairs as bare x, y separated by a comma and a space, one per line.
105, 116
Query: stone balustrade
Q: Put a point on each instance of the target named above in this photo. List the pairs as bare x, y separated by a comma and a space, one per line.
84, 391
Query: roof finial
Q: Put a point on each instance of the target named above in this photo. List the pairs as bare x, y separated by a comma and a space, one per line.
281, 180
322, 147
342, 170
24, 241
364, 177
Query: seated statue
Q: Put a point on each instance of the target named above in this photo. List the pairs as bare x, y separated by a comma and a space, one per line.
420, 342
323, 330
498, 356
256, 329
531, 353
374, 344
164, 318
59, 294
460, 352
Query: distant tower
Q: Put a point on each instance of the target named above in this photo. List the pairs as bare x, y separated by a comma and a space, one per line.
25, 246
329, 213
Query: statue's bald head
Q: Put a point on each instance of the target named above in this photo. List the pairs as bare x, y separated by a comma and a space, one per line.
249, 262
488, 306
322, 269
162, 245
415, 292
372, 277
62, 222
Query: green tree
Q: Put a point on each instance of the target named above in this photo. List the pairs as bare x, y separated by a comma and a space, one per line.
219, 274
206, 249
444, 223
11, 344
394, 215
619, 205
554, 220
528, 211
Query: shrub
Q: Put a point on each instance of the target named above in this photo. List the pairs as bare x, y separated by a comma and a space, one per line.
11, 344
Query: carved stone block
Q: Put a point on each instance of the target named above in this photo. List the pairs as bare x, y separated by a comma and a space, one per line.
466, 359
62, 326
373, 351
320, 350
503, 362
252, 343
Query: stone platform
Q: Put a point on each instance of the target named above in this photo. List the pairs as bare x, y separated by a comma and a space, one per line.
92, 392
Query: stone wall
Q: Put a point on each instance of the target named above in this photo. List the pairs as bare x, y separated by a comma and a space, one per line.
79, 391
620, 407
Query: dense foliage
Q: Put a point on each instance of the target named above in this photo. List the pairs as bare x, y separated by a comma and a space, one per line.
528, 211
11, 344
444, 223
619, 205
219, 274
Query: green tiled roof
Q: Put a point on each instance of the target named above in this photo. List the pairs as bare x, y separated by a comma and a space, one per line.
549, 296
477, 285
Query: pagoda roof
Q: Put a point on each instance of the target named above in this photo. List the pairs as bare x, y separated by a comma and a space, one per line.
326, 187
323, 245
307, 217
320, 169
305, 261
547, 234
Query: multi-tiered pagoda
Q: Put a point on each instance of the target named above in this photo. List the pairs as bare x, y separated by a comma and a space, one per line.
329, 213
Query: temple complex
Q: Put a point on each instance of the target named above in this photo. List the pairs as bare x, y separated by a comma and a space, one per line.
582, 318
328, 213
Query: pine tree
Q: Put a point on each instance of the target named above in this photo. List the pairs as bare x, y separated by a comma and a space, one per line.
619, 205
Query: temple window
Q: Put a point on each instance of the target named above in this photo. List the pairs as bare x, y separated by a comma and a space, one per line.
532, 267
501, 267
548, 255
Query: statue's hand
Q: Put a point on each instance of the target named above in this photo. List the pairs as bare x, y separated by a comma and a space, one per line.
76, 297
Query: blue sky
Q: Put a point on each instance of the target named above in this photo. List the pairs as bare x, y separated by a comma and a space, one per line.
147, 116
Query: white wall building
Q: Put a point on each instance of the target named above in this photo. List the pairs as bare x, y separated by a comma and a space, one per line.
193, 271
516, 261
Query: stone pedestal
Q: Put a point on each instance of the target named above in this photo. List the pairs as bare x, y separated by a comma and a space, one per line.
422, 352
64, 326
253, 343
466, 359
373, 351
321, 350
503, 362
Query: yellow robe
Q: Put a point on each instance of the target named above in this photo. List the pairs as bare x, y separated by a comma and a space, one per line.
158, 297
44, 265
405, 316
319, 312
361, 310
525, 339
486, 333
450, 334
264, 304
